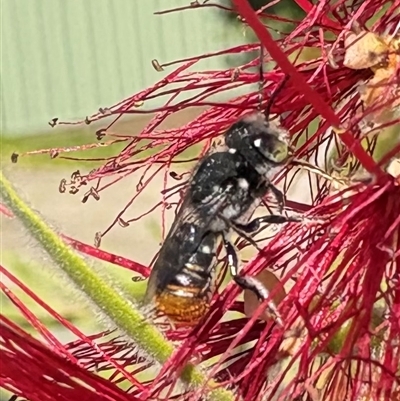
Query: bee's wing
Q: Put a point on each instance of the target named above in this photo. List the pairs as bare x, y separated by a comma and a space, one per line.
183, 240
207, 195
191, 210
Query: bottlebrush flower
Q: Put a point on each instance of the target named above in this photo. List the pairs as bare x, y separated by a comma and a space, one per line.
334, 279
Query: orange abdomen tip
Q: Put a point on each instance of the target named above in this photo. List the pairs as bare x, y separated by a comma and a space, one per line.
187, 310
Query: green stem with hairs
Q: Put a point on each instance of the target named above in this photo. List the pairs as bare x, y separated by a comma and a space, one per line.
126, 316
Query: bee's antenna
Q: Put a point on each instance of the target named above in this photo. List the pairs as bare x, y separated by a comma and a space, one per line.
261, 78
273, 96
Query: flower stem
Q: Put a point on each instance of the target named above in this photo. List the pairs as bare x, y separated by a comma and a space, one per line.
126, 316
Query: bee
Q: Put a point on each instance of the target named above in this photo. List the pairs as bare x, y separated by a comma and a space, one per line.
225, 188
181, 283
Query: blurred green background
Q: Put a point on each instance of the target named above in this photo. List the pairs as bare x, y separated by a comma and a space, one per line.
67, 59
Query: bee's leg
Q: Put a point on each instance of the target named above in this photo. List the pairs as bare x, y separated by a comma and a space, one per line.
254, 225
279, 197
231, 254
248, 282
245, 282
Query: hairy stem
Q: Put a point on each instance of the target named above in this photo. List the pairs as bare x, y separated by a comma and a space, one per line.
126, 316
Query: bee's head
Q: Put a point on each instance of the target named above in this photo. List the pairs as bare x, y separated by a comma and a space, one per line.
263, 144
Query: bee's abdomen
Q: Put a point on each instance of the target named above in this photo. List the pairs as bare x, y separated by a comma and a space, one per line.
187, 296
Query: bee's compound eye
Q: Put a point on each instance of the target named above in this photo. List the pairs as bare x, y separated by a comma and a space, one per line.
280, 152
273, 149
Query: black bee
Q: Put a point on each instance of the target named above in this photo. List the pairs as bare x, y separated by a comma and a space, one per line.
223, 192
